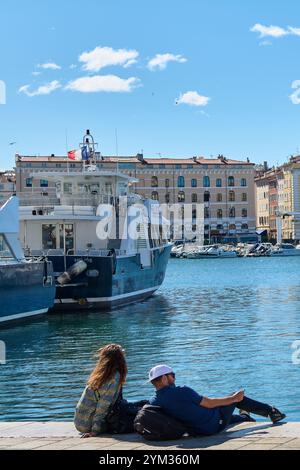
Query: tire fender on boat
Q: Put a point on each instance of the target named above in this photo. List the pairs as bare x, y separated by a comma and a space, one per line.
72, 272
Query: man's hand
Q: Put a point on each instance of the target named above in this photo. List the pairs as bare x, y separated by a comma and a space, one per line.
238, 396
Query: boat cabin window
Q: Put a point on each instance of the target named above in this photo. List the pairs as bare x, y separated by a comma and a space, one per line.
58, 237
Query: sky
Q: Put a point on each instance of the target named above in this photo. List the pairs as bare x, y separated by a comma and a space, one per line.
171, 78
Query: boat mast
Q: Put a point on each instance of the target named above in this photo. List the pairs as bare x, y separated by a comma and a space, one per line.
88, 141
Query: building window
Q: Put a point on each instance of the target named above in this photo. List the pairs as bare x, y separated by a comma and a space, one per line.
232, 212
206, 196
219, 197
167, 183
58, 165
219, 183
181, 196
180, 182
73, 165
154, 182
178, 166
244, 213
245, 227
244, 197
67, 188
28, 165
194, 183
194, 197
206, 212
220, 227
243, 182
219, 213
154, 196
167, 198
28, 182
232, 227
206, 181
231, 196
43, 183
162, 166
230, 181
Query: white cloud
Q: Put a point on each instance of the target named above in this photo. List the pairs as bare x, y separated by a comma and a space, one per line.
266, 31
294, 31
274, 31
160, 61
265, 43
102, 57
192, 98
36, 74
73, 66
41, 90
295, 96
105, 83
50, 66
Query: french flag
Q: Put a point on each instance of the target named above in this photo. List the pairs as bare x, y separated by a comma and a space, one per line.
79, 154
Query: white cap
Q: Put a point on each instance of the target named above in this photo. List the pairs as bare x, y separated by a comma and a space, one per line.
159, 370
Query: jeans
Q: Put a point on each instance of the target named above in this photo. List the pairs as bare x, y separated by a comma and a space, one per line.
247, 404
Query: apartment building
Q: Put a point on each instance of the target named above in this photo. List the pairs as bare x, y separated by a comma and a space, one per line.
223, 185
7, 184
278, 192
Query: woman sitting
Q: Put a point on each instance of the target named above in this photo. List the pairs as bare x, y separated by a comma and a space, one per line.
102, 390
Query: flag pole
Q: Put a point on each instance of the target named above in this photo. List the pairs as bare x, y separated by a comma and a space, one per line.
66, 130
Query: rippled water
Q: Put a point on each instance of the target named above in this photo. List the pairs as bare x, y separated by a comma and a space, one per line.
222, 325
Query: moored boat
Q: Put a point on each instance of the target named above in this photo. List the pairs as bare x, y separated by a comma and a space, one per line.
26, 285
84, 228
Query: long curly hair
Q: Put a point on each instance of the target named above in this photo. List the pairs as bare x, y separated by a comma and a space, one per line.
111, 359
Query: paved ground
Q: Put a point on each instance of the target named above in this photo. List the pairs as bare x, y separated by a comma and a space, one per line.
59, 435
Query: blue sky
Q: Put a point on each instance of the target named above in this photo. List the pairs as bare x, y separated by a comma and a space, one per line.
214, 86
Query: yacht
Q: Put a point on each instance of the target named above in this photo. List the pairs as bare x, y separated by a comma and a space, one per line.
285, 249
26, 285
212, 251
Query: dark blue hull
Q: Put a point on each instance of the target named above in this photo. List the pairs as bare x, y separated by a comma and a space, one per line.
24, 291
110, 281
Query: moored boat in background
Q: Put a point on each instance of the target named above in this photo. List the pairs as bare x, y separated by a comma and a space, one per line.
26, 285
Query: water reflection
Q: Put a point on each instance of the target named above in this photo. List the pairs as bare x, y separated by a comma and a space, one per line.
220, 327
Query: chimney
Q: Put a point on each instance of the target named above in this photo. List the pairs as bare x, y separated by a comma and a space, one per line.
266, 166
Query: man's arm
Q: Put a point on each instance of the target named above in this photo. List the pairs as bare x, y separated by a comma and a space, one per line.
215, 402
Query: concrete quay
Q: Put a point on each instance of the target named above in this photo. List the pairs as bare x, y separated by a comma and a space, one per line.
63, 436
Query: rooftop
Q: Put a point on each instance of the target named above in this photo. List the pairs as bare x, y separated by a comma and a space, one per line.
139, 159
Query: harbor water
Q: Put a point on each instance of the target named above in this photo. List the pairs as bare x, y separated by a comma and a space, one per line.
223, 324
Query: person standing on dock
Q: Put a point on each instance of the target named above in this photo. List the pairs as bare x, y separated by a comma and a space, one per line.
102, 391
205, 415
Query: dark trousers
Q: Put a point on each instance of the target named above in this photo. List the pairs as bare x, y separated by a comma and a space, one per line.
247, 404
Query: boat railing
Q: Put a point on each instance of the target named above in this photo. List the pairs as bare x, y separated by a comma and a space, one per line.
71, 252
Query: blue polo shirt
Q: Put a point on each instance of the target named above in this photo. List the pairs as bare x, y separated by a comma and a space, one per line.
182, 403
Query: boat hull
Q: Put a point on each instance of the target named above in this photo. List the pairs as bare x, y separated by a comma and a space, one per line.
23, 292
109, 282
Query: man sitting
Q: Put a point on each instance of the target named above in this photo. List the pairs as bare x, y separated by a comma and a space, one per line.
204, 415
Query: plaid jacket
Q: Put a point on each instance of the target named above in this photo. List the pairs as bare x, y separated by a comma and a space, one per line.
93, 406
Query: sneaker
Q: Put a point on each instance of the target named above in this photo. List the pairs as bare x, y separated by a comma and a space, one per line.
276, 415
246, 416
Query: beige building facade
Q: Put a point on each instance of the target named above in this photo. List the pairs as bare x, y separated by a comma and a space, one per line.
7, 185
224, 186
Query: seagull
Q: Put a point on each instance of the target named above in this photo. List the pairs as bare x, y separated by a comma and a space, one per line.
12, 143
